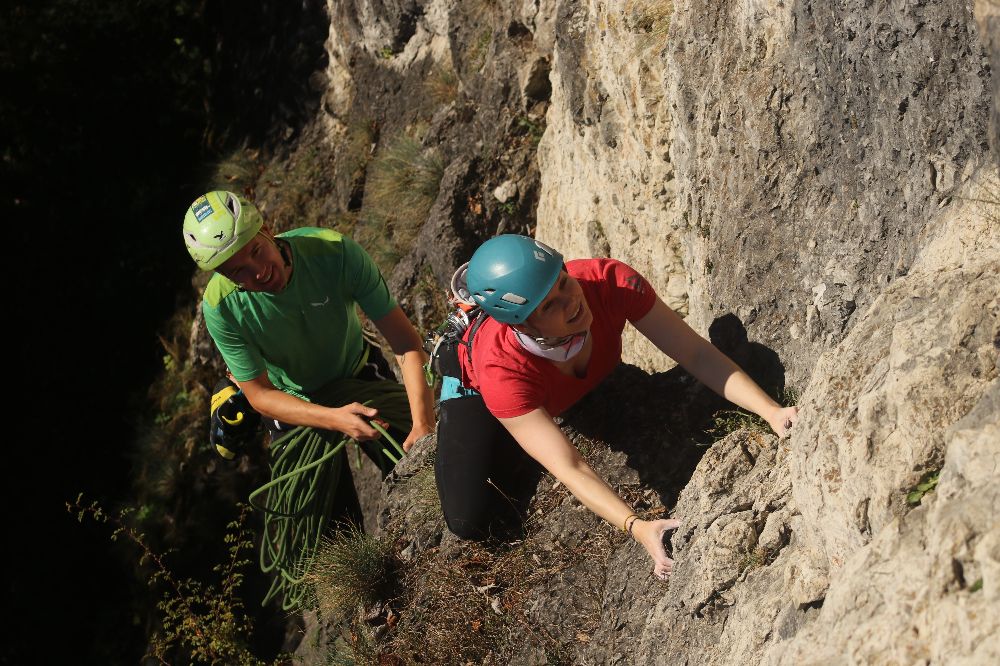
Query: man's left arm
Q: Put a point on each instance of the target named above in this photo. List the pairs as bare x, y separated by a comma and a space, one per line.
409, 351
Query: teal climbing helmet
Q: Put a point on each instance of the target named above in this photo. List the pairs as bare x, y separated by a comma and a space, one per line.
217, 226
510, 275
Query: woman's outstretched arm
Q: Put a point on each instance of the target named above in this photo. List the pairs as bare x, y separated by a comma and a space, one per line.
545, 442
665, 329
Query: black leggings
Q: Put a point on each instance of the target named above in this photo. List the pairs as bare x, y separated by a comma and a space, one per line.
484, 478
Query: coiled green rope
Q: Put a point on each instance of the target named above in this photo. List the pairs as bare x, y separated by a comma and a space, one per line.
305, 467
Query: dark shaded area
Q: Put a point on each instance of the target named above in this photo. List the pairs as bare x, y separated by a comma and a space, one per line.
657, 420
111, 113
729, 335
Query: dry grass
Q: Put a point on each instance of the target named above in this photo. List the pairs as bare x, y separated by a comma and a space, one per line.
404, 175
650, 20
351, 572
402, 185
237, 171
441, 85
986, 194
478, 49
358, 145
426, 503
471, 605
298, 190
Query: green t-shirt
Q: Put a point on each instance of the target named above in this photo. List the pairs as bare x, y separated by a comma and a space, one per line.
309, 334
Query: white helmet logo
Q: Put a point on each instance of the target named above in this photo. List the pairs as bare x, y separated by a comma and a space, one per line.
539, 255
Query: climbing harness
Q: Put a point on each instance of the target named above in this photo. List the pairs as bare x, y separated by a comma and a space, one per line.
465, 314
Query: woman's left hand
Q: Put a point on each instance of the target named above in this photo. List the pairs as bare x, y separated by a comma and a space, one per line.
782, 419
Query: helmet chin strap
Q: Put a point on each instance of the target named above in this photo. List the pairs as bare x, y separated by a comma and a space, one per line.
563, 352
285, 252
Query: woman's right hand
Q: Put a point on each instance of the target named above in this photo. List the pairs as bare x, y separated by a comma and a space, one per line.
650, 534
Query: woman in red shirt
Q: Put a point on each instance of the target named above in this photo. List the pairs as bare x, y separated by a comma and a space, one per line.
553, 334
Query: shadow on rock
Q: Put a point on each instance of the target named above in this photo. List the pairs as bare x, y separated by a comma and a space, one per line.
661, 422
729, 335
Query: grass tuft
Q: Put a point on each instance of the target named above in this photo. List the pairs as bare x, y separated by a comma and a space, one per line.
986, 195
441, 85
650, 20
402, 186
351, 572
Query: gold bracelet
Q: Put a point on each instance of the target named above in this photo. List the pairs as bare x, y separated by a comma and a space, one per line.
625, 523
630, 524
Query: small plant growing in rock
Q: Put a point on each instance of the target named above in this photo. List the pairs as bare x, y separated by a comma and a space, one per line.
402, 185
727, 421
753, 559
350, 581
442, 85
405, 175
352, 571
650, 19
477, 51
927, 484
532, 128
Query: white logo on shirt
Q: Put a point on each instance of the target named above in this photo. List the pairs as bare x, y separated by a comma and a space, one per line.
319, 305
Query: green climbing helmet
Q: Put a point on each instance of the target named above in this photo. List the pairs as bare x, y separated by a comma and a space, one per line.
217, 226
510, 275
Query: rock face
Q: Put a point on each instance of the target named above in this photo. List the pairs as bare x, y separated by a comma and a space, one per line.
840, 565
817, 176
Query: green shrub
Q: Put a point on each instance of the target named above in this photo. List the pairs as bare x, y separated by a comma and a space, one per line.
200, 623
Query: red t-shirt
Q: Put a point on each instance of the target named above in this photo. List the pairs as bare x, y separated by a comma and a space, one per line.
514, 381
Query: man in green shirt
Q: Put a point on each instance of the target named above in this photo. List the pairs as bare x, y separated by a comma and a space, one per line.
282, 312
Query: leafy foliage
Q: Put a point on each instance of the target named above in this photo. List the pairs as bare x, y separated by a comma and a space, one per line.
927, 484
200, 623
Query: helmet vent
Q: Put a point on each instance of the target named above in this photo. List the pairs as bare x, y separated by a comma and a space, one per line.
233, 204
545, 248
514, 298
